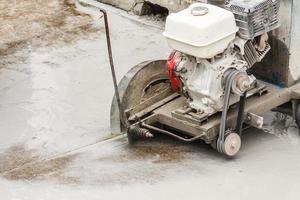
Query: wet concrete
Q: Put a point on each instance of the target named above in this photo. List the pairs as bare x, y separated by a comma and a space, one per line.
56, 143
55, 90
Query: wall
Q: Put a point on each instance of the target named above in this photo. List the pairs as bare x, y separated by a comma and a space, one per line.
123, 4
175, 5
295, 42
172, 5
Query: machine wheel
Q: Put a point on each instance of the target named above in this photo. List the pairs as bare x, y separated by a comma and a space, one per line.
139, 84
232, 144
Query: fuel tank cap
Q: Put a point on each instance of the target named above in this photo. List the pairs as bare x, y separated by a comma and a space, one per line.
199, 11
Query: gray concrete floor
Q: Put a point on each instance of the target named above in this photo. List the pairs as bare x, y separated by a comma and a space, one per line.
56, 142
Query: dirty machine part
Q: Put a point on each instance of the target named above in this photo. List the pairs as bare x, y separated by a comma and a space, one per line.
205, 91
254, 17
144, 84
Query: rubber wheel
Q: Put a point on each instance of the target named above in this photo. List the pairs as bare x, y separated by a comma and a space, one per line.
139, 84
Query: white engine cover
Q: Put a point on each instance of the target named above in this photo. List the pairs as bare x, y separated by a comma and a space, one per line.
202, 34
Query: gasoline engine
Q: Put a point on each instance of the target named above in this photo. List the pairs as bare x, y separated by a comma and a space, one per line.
216, 95
214, 48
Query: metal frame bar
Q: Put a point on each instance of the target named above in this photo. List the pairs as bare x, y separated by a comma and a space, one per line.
112, 67
208, 131
153, 128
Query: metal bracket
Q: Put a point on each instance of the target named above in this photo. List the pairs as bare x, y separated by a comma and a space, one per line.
254, 120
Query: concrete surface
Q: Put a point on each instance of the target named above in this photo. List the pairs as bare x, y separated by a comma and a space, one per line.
54, 121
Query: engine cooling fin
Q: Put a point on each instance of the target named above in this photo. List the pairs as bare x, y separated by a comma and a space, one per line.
252, 55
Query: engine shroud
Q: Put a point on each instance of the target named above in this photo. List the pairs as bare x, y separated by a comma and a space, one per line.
202, 35
254, 17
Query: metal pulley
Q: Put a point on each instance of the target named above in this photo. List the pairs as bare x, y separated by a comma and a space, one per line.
232, 144
242, 83
229, 142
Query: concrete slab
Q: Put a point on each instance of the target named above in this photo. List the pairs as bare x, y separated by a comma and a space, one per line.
54, 126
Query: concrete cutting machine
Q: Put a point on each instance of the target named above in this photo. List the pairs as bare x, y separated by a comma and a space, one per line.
229, 65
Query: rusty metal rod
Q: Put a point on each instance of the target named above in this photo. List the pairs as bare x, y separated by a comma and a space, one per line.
112, 67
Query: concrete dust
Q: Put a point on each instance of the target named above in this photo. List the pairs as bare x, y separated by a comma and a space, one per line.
16, 156
20, 163
157, 152
50, 170
162, 153
119, 163
282, 126
39, 23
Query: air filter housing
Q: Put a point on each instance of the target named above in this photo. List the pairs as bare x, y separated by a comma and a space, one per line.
254, 17
201, 30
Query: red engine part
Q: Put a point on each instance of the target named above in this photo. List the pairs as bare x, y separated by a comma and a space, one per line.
173, 60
